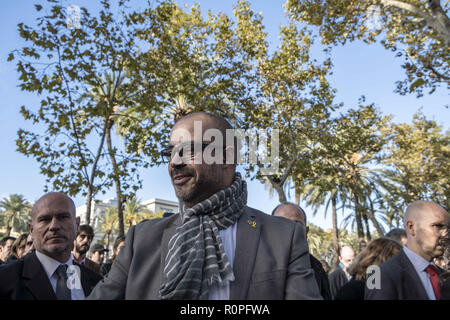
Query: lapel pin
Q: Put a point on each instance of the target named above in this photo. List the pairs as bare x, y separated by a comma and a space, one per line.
252, 223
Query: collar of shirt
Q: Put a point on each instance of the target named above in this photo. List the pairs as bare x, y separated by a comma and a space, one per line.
51, 264
419, 263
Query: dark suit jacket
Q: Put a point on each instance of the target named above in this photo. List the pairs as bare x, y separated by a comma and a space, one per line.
445, 290
271, 260
25, 279
352, 290
88, 263
399, 281
321, 278
337, 279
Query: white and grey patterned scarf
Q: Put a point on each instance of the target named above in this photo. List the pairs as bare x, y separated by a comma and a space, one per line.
196, 257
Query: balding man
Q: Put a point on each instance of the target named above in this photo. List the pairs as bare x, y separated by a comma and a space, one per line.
339, 277
411, 274
216, 247
295, 213
49, 273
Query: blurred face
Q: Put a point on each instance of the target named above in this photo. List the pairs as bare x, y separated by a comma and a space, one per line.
98, 257
21, 248
119, 247
83, 242
430, 232
6, 249
194, 182
347, 256
54, 226
29, 245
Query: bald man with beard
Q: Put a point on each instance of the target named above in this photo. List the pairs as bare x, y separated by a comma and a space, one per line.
411, 274
49, 272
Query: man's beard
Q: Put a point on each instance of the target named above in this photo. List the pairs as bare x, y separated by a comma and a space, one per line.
81, 250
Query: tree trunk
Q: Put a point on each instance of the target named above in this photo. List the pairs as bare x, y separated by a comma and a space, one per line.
359, 224
366, 223
335, 233
372, 218
116, 178
281, 194
91, 191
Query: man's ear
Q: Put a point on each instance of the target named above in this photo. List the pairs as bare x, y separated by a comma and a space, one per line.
410, 227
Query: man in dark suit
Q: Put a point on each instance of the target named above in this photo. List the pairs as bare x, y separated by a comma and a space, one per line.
295, 213
340, 276
216, 247
49, 273
411, 275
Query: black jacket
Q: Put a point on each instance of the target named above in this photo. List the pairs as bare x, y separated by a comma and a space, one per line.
25, 279
321, 278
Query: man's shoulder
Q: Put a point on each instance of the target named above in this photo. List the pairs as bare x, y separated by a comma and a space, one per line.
155, 227
89, 273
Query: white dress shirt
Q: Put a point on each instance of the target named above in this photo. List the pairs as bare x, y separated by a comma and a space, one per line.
420, 264
74, 282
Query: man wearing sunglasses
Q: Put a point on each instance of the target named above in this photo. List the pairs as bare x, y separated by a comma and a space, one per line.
216, 247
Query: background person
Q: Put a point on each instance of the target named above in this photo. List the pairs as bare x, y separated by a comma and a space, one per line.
5, 248
118, 244
376, 252
411, 274
44, 273
81, 246
398, 234
98, 254
341, 276
295, 213
18, 248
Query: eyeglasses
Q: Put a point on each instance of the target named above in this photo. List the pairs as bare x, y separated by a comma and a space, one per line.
185, 150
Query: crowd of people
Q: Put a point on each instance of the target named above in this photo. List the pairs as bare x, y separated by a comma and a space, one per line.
218, 248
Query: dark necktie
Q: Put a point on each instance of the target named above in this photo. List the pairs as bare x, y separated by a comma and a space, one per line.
434, 278
62, 290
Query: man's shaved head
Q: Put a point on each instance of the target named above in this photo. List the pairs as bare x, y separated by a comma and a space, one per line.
52, 196
427, 227
418, 209
290, 211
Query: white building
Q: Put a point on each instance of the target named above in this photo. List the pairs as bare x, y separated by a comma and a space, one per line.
98, 209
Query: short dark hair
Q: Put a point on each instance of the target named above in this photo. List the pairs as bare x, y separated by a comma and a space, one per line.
87, 229
397, 234
5, 239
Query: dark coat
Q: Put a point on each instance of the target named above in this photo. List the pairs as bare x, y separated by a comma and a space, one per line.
337, 279
399, 281
445, 290
25, 279
271, 260
352, 290
321, 278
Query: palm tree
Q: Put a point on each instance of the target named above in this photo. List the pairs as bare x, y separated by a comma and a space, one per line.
109, 224
17, 213
134, 211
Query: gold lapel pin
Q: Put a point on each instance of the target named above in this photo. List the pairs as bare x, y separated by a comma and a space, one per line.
252, 223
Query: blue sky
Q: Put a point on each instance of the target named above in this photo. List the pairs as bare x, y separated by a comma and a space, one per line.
359, 69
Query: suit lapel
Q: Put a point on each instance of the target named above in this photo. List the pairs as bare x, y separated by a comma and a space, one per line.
247, 239
36, 279
85, 280
169, 231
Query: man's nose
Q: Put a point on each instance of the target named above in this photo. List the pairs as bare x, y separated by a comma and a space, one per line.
54, 224
176, 161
